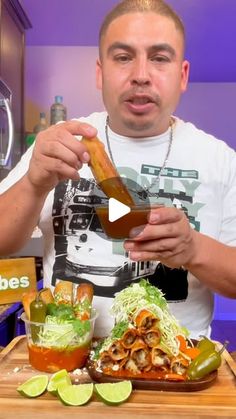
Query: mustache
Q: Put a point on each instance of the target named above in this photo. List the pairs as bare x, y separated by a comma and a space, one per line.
140, 92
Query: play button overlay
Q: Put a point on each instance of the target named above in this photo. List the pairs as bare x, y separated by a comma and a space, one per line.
116, 210
116, 216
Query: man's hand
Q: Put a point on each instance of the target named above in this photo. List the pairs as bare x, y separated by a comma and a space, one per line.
168, 238
58, 155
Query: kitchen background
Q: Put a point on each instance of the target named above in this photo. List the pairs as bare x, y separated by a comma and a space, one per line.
61, 50
59, 56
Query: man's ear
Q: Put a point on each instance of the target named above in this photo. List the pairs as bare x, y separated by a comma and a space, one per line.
99, 74
184, 75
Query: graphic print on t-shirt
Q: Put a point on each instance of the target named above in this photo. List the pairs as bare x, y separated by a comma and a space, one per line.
84, 253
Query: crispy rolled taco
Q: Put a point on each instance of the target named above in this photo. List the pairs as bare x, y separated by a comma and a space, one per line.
117, 351
27, 299
152, 337
83, 301
106, 362
140, 353
63, 292
179, 365
46, 296
104, 170
132, 366
145, 319
160, 359
129, 337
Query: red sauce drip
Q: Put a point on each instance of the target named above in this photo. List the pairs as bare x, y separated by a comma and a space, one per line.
149, 375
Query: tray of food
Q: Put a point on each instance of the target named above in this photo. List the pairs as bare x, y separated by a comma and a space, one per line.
148, 346
149, 382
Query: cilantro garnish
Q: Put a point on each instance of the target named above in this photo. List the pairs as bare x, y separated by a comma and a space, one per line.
61, 311
98, 348
81, 326
153, 294
83, 306
119, 329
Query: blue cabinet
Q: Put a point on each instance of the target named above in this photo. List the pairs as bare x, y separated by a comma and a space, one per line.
10, 323
7, 322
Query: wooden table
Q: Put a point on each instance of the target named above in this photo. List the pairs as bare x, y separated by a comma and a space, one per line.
218, 401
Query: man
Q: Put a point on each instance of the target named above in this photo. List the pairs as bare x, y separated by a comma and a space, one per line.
142, 72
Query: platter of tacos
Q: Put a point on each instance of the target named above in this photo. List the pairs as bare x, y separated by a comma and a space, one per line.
148, 345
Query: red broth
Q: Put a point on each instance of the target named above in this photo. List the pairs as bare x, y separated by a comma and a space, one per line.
53, 359
120, 228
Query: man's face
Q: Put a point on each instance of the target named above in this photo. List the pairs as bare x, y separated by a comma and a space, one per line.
141, 73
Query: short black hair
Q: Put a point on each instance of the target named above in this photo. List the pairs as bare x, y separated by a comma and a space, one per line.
131, 6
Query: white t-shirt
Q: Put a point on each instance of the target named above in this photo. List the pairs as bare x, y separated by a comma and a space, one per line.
200, 177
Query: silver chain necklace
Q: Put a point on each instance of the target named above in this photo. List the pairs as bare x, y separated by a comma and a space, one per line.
156, 179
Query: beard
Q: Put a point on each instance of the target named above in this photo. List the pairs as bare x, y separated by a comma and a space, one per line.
140, 123
134, 124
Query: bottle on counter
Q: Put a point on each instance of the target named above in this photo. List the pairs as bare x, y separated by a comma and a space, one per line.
42, 125
58, 111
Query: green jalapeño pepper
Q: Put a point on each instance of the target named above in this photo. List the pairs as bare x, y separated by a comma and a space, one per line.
205, 344
38, 310
206, 362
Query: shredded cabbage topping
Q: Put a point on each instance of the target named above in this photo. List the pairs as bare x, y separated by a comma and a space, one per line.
128, 302
62, 333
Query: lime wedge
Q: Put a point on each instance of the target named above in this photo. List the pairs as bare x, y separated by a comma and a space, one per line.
60, 378
114, 393
33, 387
76, 394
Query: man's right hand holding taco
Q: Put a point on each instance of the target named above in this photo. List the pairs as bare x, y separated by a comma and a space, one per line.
57, 155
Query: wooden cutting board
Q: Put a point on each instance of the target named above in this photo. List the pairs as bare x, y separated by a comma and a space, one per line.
217, 401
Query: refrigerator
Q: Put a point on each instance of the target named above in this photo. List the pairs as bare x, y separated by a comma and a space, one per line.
6, 129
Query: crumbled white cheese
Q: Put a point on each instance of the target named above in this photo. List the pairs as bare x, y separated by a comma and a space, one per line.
77, 371
115, 367
91, 355
95, 344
